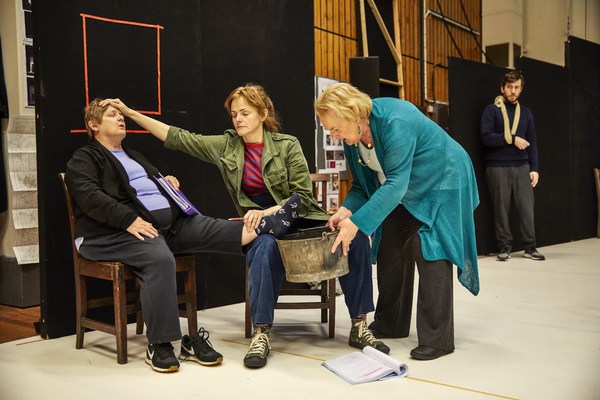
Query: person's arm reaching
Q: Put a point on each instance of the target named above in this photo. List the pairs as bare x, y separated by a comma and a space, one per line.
155, 127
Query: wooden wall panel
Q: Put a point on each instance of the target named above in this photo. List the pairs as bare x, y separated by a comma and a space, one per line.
410, 38
337, 39
458, 36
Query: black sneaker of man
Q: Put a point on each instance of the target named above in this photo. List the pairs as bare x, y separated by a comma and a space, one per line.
199, 349
425, 353
361, 336
259, 349
504, 254
161, 358
533, 254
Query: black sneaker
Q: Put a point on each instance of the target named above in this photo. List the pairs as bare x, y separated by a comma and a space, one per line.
161, 357
504, 254
361, 336
259, 349
425, 353
533, 254
199, 349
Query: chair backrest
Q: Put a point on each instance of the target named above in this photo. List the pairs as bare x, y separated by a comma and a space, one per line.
319, 182
71, 213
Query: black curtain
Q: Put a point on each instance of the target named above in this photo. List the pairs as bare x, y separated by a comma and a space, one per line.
583, 69
563, 101
206, 49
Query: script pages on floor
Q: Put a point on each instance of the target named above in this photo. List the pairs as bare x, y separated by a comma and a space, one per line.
366, 366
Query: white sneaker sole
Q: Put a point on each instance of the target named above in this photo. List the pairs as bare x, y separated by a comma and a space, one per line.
183, 357
173, 368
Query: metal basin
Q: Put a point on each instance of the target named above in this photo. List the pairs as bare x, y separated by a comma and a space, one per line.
307, 256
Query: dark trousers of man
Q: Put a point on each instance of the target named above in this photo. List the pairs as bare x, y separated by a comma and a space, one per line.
266, 273
506, 183
154, 263
399, 250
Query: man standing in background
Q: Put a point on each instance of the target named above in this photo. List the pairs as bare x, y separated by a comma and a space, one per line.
508, 133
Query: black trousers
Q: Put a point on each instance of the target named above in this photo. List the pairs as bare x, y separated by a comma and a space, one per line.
154, 263
399, 250
507, 185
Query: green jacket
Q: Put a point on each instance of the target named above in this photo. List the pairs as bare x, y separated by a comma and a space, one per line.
284, 167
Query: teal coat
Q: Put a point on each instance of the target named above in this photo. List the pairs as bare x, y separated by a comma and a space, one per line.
430, 174
284, 167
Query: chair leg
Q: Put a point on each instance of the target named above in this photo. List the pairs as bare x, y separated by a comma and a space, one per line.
331, 289
324, 290
247, 318
139, 318
191, 308
81, 308
120, 303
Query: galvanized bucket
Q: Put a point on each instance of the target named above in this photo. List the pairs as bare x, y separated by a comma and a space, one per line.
307, 256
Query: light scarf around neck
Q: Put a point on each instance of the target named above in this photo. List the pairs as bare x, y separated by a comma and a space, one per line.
509, 133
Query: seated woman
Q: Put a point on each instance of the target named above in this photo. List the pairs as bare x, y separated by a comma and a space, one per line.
123, 212
261, 169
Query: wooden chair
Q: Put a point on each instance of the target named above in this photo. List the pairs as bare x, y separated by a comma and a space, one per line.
597, 179
124, 303
319, 182
325, 291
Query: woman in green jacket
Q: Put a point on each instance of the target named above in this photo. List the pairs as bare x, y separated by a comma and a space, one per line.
261, 169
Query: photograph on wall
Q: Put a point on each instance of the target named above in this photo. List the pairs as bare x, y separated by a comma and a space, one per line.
329, 153
333, 186
335, 161
30, 92
29, 60
329, 143
28, 16
332, 202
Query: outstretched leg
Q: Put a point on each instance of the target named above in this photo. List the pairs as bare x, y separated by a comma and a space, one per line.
279, 223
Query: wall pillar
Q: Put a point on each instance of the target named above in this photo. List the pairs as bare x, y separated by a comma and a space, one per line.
19, 239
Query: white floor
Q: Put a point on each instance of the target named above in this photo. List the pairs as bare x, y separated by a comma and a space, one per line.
532, 333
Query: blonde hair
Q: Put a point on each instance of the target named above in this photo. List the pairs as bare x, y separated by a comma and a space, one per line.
257, 98
93, 112
345, 101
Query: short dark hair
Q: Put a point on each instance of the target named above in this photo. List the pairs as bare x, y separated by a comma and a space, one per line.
93, 112
513, 76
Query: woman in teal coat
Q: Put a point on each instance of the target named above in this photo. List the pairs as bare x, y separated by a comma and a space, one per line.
414, 190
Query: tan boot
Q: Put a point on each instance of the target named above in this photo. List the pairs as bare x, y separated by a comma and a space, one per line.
361, 336
259, 349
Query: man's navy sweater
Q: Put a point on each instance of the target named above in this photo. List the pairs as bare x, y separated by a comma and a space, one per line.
498, 152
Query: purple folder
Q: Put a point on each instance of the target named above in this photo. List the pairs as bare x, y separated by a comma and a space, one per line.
177, 196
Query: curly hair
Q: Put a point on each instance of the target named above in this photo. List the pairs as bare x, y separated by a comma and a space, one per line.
257, 98
513, 76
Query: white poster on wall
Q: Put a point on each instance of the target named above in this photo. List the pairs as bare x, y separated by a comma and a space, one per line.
329, 153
